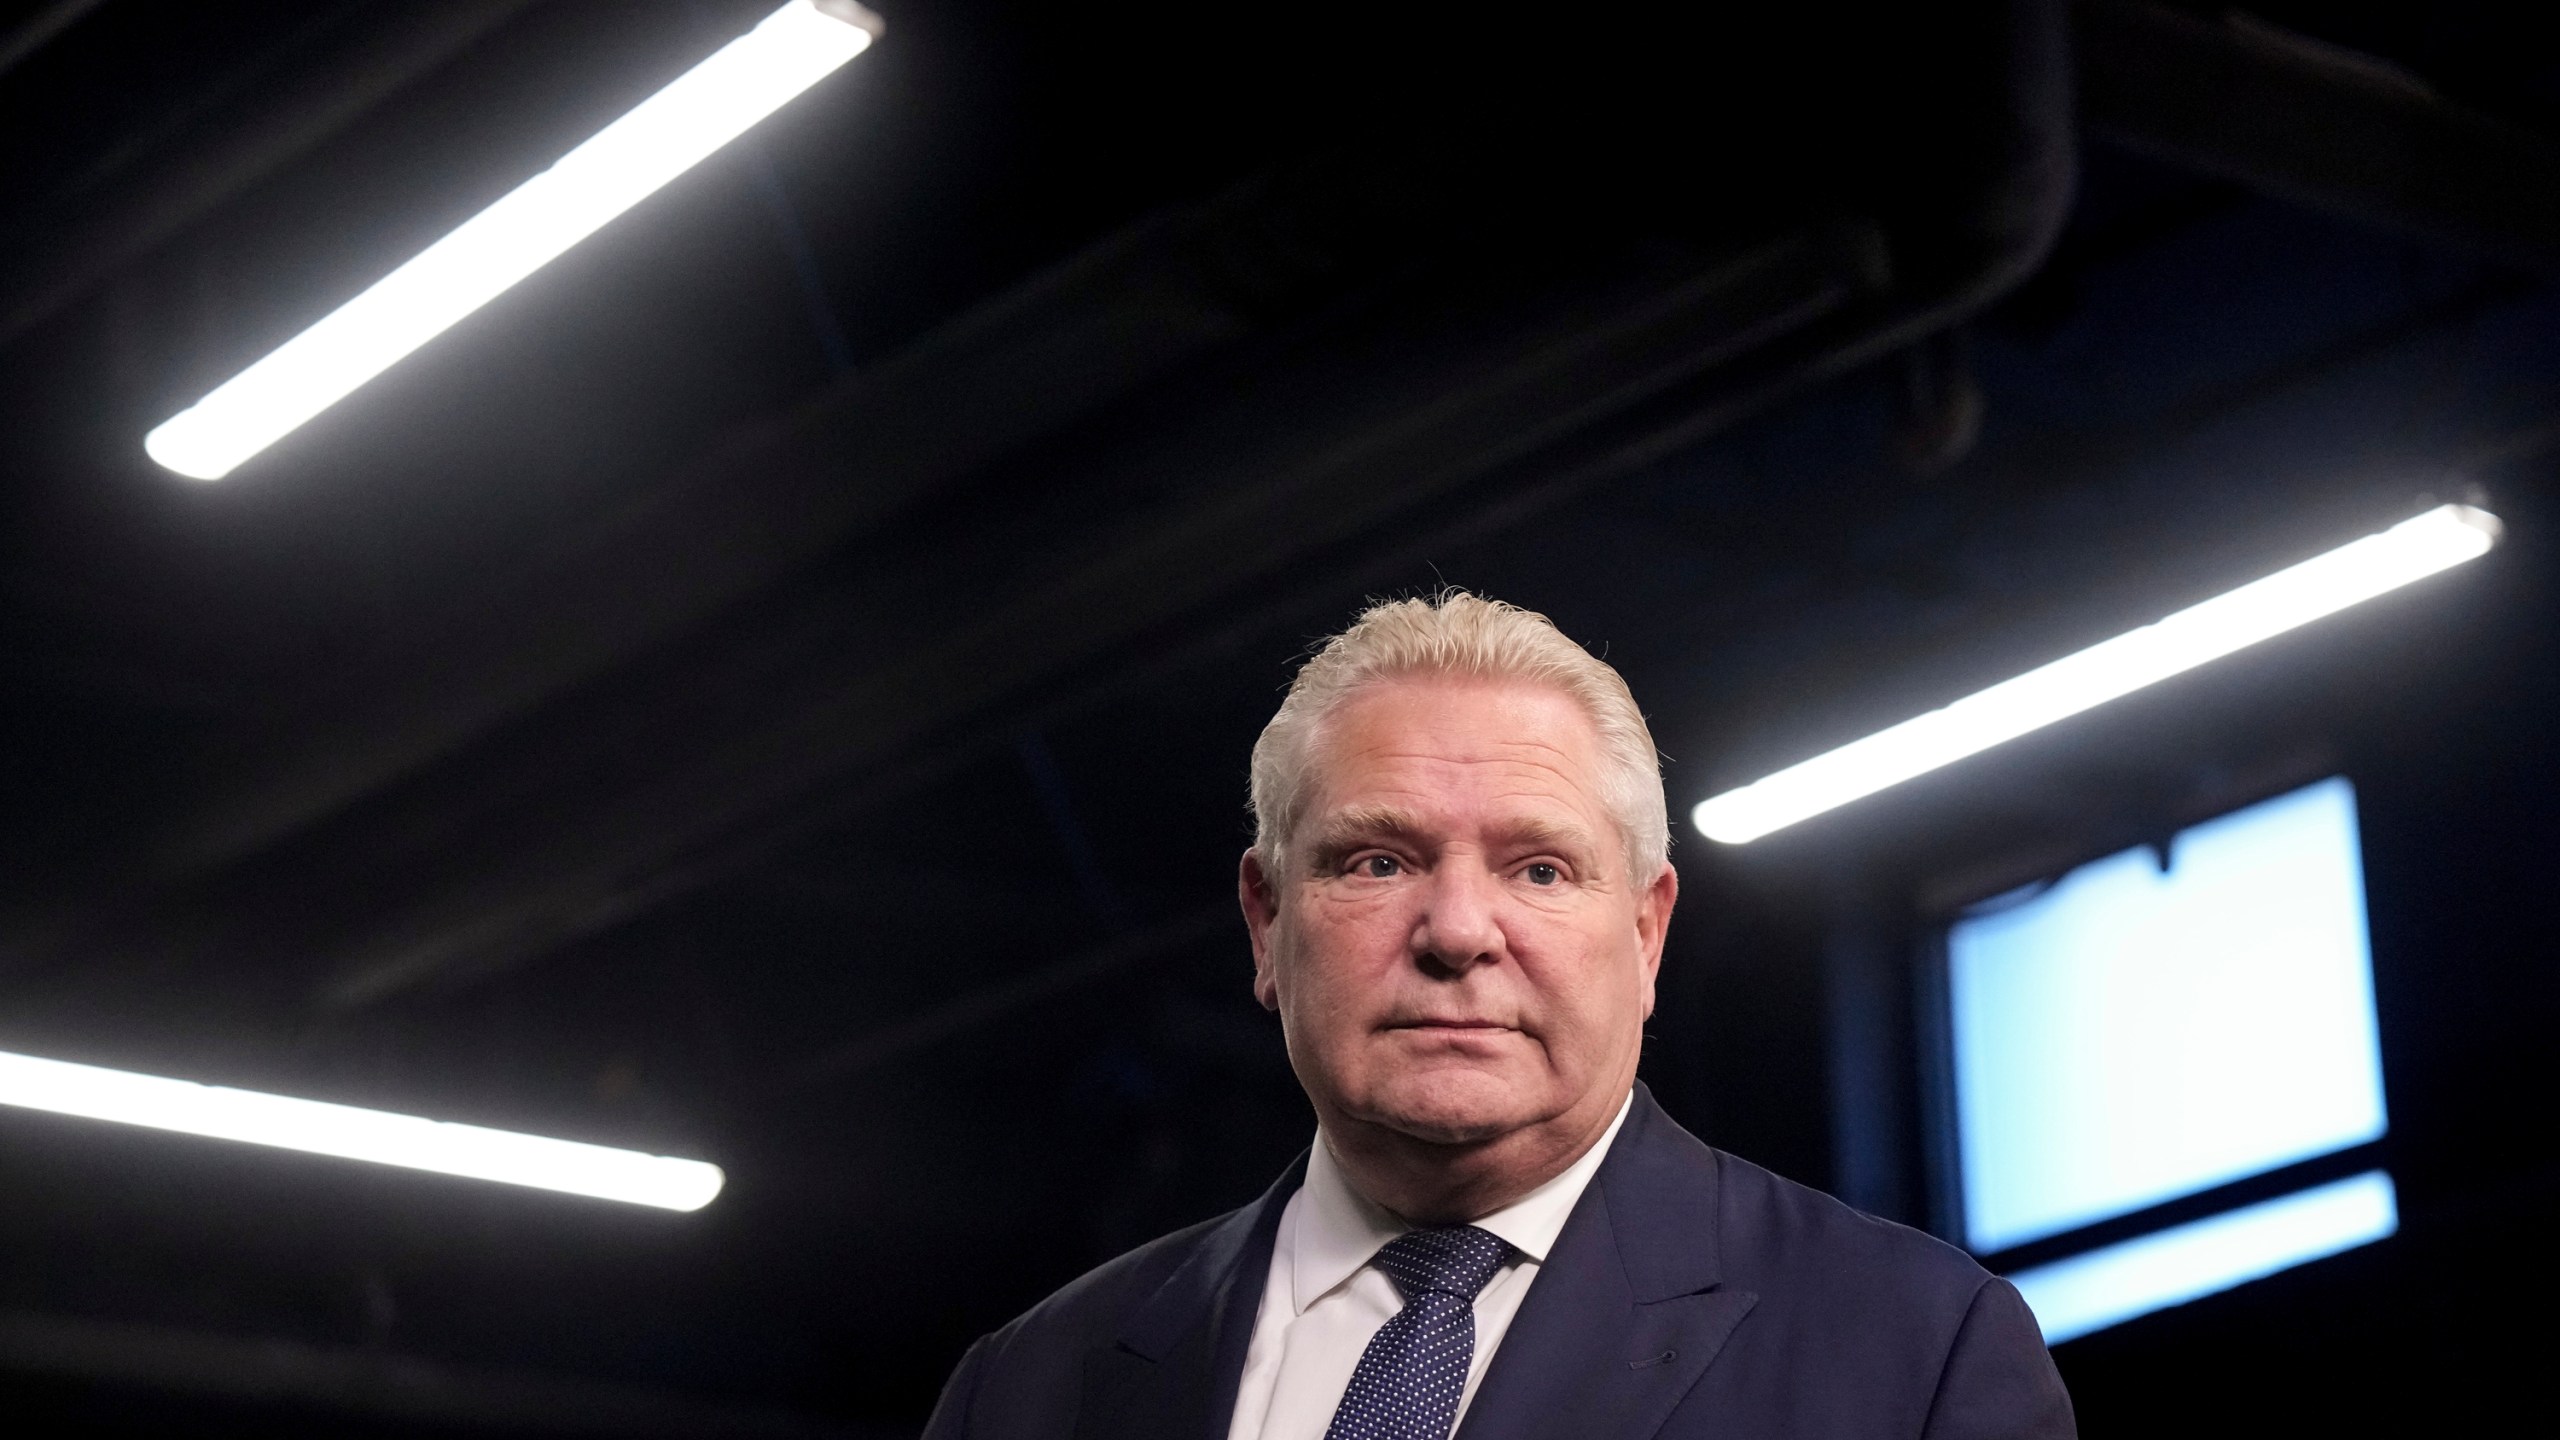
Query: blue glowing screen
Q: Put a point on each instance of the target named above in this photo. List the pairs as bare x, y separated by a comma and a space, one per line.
2131, 1034
2186, 1262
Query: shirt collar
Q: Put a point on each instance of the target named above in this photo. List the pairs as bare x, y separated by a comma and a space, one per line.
1338, 1229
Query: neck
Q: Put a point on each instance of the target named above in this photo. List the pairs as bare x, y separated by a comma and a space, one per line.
1429, 1182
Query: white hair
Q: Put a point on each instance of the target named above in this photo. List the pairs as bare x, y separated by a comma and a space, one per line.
1462, 636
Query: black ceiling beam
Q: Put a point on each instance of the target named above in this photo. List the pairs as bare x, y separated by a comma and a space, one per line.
1020, 594
1474, 317
57, 251
37, 31
782, 492
2319, 126
1241, 495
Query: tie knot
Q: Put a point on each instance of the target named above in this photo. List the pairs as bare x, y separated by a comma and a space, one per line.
1451, 1259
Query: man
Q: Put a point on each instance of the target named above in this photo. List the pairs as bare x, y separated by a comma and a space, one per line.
1457, 895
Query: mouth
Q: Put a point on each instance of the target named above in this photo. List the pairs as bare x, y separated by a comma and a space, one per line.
1452, 1027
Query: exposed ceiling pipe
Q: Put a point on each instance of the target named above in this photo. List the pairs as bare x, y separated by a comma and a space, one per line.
2310, 123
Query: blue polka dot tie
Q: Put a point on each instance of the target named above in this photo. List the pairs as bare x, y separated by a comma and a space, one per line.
1411, 1375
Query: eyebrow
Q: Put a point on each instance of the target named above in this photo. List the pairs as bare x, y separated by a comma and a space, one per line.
1553, 835
1348, 830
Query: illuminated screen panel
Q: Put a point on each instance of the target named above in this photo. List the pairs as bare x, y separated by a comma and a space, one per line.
2187, 1262
2129, 1035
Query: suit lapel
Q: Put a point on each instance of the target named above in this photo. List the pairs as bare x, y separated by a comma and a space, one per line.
1173, 1373
1628, 1310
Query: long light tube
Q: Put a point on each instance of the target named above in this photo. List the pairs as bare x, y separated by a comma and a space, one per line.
348, 1132
2411, 550
667, 134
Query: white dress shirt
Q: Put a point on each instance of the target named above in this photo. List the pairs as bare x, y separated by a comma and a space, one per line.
1323, 1299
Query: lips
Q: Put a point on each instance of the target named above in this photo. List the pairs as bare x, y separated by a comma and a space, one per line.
1457, 1027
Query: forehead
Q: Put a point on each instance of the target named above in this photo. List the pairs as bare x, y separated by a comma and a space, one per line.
1421, 739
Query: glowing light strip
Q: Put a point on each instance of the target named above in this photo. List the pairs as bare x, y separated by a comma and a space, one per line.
664, 136
2411, 550
348, 1132
2114, 1284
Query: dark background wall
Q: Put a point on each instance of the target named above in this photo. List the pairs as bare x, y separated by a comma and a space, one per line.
776, 687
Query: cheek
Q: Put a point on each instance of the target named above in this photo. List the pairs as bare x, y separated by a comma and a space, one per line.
1338, 956
1586, 968
1336, 929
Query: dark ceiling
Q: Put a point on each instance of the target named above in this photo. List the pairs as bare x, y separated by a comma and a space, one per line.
775, 686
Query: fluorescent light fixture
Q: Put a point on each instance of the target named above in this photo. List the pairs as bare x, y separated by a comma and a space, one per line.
351, 1133
667, 134
2115, 1283
2411, 550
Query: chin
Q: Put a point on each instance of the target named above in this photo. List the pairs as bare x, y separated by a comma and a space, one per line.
1452, 1109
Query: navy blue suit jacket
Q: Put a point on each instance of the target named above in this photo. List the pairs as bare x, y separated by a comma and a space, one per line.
1690, 1294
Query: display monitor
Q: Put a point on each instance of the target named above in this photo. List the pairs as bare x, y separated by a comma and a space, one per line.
2165, 1021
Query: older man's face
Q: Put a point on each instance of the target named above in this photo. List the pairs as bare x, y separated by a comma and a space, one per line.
1459, 949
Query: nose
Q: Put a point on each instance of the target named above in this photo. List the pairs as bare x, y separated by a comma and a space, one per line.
1460, 926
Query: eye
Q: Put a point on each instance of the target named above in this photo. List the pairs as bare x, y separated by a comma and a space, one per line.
1376, 867
1543, 873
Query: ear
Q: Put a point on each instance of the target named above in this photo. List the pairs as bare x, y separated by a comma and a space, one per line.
1260, 898
1653, 925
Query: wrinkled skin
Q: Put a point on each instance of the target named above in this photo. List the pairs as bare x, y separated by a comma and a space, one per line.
1460, 957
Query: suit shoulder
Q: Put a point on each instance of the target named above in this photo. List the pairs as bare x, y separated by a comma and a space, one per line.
1780, 1234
